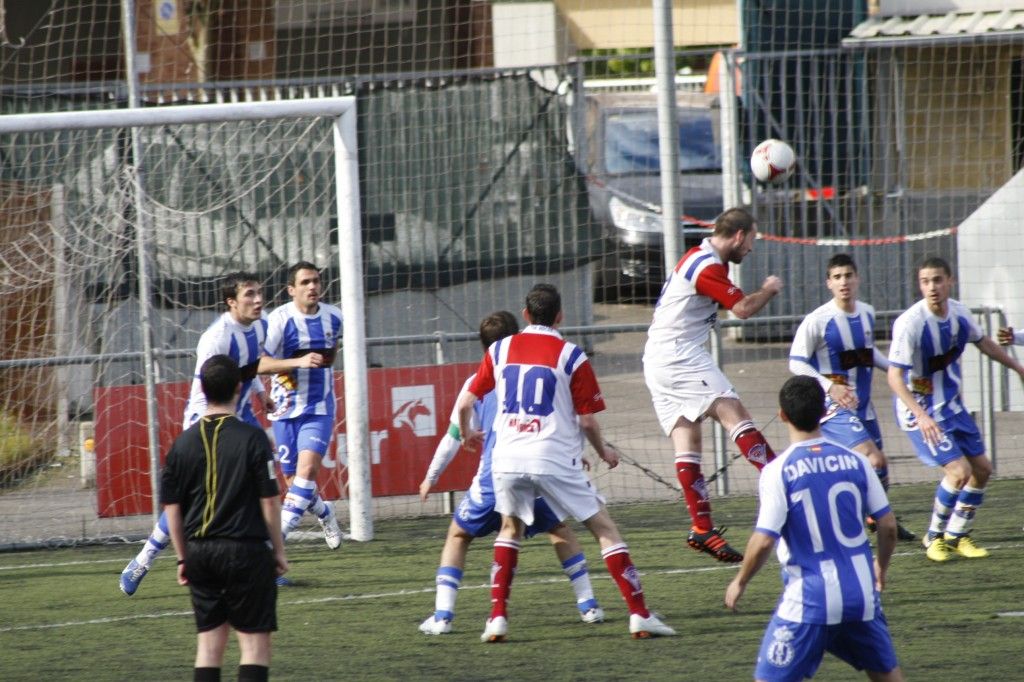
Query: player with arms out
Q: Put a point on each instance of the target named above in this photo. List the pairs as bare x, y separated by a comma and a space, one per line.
925, 375
302, 341
685, 383
835, 346
547, 397
812, 500
238, 333
475, 516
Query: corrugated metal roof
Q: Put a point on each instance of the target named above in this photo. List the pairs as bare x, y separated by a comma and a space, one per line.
902, 30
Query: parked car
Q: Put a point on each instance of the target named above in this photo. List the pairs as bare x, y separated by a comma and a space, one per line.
620, 160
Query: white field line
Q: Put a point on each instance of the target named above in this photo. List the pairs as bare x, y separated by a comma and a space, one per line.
384, 595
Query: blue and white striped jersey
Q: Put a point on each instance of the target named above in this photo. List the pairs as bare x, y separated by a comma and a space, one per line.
291, 334
840, 347
244, 345
814, 497
928, 349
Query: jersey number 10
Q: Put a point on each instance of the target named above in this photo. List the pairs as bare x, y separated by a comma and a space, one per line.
534, 395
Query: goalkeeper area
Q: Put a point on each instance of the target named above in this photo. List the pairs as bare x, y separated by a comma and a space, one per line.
357, 609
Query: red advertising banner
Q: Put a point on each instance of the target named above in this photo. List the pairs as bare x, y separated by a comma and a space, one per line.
409, 411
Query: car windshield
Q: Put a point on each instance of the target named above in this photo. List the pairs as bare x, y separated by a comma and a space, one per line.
631, 142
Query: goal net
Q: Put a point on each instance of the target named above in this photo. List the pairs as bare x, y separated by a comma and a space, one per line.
113, 241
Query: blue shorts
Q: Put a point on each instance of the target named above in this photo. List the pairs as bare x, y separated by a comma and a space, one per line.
479, 518
845, 428
312, 432
960, 438
793, 651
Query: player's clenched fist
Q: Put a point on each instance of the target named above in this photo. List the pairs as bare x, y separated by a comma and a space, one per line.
772, 283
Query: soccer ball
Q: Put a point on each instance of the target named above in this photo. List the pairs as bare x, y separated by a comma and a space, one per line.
772, 161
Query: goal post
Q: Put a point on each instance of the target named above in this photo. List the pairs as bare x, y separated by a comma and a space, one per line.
341, 111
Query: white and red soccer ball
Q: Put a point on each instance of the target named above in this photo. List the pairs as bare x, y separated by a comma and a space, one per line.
772, 161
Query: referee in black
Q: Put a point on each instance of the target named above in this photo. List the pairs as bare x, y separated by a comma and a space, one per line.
219, 490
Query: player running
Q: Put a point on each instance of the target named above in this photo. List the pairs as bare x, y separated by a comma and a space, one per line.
685, 383
476, 518
835, 346
925, 375
238, 333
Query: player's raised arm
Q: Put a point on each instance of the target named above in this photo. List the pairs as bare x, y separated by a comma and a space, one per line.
753, 303
993, 350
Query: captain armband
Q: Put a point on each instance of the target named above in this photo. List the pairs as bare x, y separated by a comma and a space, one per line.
454, 432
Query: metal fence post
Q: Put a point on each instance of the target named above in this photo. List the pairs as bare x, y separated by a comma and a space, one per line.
721, 456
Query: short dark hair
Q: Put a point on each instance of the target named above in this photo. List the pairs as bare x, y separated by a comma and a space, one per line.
803, 402
496, 326
543, 303
233, 282
936, 263
840, 260
219, 377
733, 220
301, 265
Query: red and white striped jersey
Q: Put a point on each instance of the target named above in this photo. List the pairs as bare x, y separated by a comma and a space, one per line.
542, 383
688, 306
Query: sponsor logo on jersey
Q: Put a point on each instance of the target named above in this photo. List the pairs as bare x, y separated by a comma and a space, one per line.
527, 426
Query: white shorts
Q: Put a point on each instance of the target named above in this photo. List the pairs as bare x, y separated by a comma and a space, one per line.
568, 494
686, 389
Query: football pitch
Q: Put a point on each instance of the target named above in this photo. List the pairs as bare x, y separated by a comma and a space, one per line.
353, 613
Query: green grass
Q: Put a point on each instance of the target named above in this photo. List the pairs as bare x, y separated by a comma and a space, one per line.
353, 613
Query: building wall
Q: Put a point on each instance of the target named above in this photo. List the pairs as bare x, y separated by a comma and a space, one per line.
606, 24
957, 123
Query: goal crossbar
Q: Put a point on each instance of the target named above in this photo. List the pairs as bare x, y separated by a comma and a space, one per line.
185, 114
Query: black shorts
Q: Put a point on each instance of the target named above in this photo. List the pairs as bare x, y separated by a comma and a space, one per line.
232, 581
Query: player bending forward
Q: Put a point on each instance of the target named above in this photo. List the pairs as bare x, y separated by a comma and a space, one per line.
925, 375
547, 395
686, 384
835, 346
476, 518
813, 497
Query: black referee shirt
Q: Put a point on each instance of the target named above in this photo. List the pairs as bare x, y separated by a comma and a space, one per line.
217, 470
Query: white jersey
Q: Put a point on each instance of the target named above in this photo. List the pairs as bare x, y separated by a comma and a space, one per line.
688, 307
542, 384
840, 346
244, 345
928, 349
814, 497
292, 334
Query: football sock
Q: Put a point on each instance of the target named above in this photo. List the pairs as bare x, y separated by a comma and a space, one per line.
698, 502
318, 507
752, 444
575, 568
506, 556
622, 570
156, 542
942, 508
296, 501
206, 674
883, 477
253, 673
967, 503
448, 580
